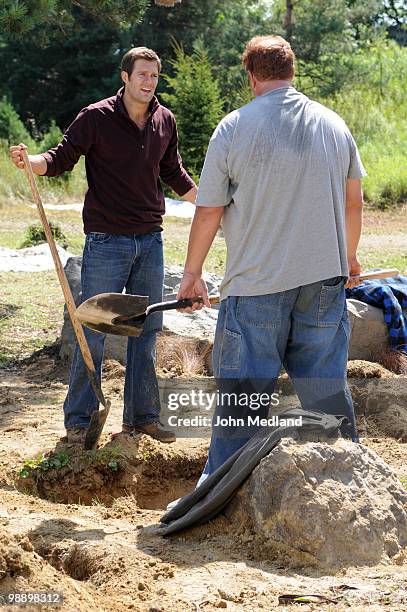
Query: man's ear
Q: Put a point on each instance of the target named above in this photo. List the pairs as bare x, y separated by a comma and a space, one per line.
124, 76
252, 80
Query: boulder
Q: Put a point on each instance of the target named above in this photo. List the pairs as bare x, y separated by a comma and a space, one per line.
369, 333
200, 324
331, 504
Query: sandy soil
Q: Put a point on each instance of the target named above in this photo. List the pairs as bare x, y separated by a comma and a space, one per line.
84, 529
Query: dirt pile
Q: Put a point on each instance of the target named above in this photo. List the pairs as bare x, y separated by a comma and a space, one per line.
14, 559
23, 571
358, 368
130, 576
152, 473
101, 553
380, 400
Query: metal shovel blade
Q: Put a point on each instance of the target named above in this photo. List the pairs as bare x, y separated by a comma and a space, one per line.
98, 313
97, 422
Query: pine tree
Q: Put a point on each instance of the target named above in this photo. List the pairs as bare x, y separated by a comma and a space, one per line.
17, 17
196, 102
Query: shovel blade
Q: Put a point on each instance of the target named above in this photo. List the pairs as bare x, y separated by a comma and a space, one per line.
97, 422
98, 313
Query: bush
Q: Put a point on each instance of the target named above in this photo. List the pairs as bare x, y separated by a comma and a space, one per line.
52, 138
375, 110
35, 234
12, 129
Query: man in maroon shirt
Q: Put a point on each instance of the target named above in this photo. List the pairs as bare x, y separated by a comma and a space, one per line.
130, 142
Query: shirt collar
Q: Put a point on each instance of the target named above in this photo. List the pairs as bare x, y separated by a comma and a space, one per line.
153, 106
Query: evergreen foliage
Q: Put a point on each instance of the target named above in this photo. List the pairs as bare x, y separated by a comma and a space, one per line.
12, 129
17, 17
52, 138
196, 102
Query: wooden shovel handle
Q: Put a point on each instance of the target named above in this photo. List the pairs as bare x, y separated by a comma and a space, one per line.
70, 303
382, 273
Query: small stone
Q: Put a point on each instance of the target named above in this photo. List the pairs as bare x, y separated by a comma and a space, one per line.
141, 586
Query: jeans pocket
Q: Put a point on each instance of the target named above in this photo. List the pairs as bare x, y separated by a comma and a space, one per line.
229, 358
98, 237
261, 310
332, 302
157, 236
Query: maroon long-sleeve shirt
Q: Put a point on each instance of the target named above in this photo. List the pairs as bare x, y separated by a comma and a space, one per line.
123, 165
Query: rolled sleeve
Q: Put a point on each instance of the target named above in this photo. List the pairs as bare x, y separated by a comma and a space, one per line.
77, 141
172, 171
215, 185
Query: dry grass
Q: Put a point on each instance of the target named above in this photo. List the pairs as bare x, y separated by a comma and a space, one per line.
395, 361
178, 356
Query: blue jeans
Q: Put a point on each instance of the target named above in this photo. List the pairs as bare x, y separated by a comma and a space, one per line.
111, 263
306, 329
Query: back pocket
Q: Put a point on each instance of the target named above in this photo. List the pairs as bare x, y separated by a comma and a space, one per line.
331, 302
262, 311
230, 350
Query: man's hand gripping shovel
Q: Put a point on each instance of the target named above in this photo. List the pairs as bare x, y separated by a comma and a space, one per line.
98, 418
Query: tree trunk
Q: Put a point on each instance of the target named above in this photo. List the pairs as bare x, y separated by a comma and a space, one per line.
288, 20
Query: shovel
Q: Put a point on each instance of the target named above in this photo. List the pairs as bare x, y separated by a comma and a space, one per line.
124, 315
98, 417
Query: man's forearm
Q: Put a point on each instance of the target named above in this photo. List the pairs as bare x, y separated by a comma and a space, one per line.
354, 218
202, 233
38, 164
190, 196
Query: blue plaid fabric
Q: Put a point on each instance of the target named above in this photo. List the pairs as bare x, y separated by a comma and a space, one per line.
390, 294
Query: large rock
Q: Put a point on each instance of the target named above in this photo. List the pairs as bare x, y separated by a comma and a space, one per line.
331, 504
369, 333
200, 324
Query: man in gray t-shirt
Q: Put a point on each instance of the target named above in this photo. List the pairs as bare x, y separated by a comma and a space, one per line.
282, 176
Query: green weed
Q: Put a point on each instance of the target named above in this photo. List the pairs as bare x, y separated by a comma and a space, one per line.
148, 455
111, 457
43, 463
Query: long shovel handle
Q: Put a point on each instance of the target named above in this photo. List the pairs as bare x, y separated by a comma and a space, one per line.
70, 303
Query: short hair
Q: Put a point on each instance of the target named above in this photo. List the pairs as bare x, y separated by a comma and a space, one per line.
138, 53
268, 58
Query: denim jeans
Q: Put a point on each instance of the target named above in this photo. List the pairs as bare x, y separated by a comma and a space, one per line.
111, 263
306, 329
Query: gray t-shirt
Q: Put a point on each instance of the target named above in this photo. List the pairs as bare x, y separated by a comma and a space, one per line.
279, 165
